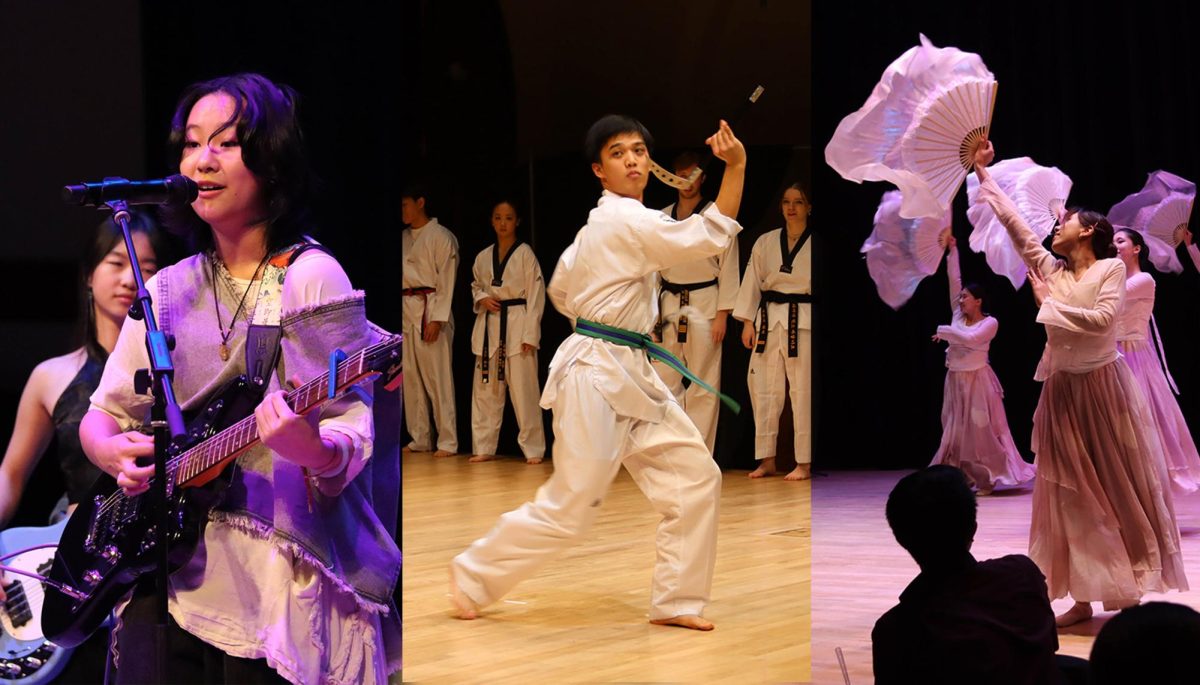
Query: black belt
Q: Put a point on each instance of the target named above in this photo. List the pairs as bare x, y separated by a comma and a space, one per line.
793, 301
683, 290
502, 353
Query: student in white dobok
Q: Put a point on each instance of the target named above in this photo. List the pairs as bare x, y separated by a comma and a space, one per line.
775, 307
509, 297
610, 407
430, 253
704, 288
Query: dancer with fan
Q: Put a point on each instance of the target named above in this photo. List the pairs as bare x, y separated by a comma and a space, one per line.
1103, 526
774, 305
975, 435
1134, 340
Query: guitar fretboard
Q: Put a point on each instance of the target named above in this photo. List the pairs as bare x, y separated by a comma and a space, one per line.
244, 434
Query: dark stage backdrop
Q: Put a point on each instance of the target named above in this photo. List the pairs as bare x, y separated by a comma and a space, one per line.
512, 88
90, 88
1107, 95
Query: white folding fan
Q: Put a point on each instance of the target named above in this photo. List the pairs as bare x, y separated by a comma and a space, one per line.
901, 252
1160, 211
1039, 193
949, 126
919, 128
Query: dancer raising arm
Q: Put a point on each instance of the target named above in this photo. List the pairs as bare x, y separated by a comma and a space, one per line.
1103, 526
975, 435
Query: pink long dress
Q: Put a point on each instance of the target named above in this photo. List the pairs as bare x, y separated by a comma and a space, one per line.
1136, 345
975, 435
1103, 525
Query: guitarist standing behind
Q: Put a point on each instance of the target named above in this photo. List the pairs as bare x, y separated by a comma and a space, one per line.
294, 576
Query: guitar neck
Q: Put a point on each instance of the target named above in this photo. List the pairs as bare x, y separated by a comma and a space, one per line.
226, 445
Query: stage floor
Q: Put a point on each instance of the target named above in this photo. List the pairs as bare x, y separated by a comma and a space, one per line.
859, 571
583, 618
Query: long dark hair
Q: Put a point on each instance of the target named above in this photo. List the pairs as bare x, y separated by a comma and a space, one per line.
1102, 230
105, 237
1137, 239
268, 131
977, 291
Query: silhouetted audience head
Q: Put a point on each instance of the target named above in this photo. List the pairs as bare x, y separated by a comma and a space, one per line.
1156, 642
932, 515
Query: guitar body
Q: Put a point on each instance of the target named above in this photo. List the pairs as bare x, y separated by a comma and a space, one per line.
110, 540
26, 656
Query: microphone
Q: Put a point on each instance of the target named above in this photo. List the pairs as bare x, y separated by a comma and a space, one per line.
177, 189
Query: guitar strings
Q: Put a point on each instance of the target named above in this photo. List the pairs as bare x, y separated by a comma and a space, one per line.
174, 463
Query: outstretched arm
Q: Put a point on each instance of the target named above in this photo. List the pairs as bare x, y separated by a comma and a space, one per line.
953, 273
1023, 237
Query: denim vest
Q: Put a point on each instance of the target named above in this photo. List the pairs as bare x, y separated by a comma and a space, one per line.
349, 536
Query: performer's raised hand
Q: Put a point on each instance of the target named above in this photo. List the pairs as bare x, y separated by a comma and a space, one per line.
984, 154
726, 147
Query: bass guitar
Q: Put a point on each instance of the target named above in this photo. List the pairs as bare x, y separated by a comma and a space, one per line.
26, 656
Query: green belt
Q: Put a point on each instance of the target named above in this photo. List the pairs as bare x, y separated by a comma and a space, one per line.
620, 336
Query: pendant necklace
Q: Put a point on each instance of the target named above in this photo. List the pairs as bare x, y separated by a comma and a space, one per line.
223, 349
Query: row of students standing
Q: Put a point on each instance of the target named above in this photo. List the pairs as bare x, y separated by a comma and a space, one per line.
696, 299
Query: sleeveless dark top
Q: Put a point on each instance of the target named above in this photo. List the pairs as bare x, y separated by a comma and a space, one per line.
78, 472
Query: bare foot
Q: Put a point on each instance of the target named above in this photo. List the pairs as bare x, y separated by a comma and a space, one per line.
533, 460
693, 622
482, 457
801, 472
464, 608
983, 492
1079, 613
443, 453
766, 467
409, 449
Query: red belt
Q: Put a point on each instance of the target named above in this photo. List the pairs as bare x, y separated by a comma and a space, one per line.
423, 292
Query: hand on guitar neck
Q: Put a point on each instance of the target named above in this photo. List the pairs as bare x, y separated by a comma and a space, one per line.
293, 436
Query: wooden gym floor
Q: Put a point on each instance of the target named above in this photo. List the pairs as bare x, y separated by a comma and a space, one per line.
583, 618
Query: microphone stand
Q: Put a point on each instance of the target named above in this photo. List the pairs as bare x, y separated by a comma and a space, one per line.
167, 420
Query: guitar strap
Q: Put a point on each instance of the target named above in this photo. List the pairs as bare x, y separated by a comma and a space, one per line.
262, 341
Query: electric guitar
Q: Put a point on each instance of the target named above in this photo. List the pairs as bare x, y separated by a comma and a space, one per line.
26, 656
110, 540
